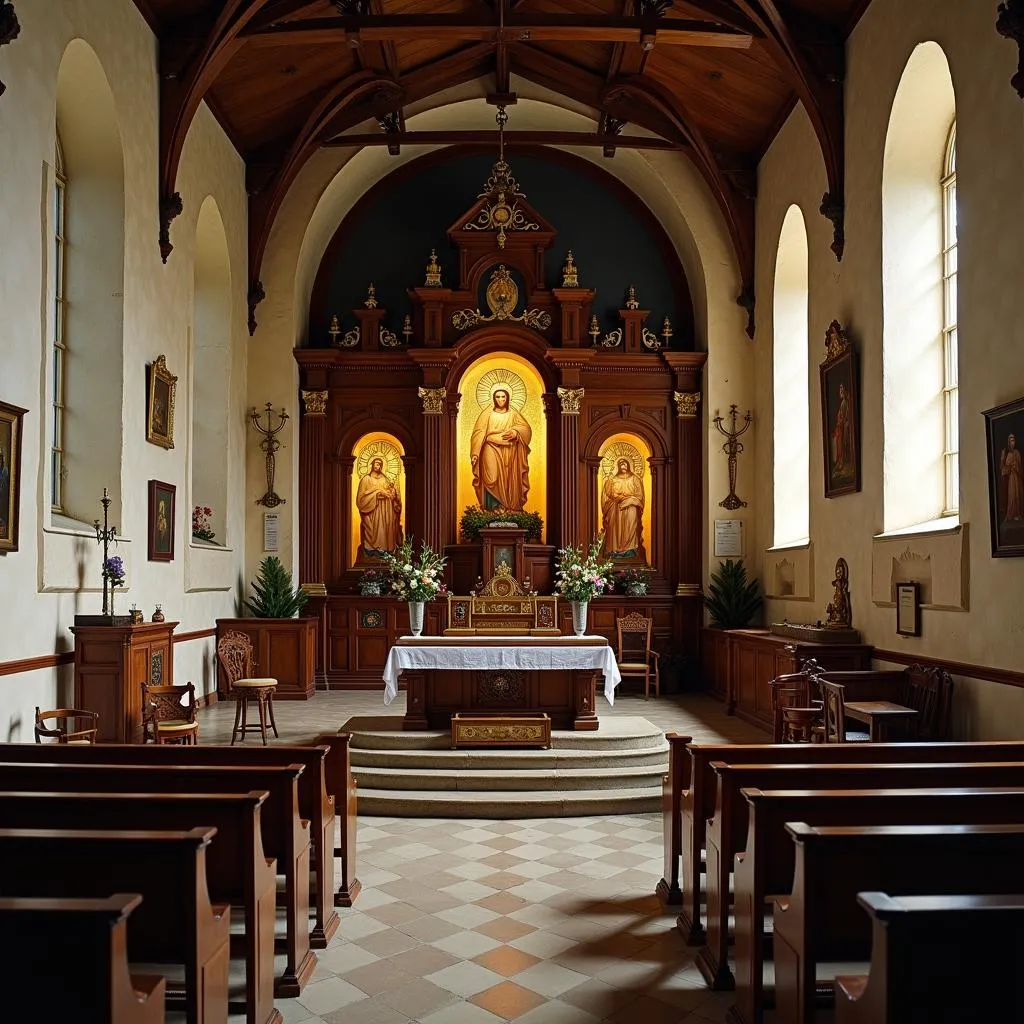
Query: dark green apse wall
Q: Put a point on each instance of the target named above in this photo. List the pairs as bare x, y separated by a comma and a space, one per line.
388, 236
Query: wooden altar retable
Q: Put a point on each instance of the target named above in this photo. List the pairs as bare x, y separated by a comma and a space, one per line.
448, 675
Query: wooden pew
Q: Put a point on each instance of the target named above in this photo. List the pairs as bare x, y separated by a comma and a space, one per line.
673, 785
237, 872
342, 786
285, 835
921, 975
316, 804
175, 922
821, 922
68, 960
727, 831
698, 799
766, 865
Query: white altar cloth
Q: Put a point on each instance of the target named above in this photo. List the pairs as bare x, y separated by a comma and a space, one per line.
521, 652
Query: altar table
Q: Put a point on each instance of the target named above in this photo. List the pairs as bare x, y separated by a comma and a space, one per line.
556, 675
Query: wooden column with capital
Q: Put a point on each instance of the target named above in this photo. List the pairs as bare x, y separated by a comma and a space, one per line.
689, 500
435, 486
311, 492
569, 436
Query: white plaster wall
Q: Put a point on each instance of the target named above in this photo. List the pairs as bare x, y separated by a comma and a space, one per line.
990, 125
157, 312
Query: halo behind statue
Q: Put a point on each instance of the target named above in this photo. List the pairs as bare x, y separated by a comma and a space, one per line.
501, 379
621, 450
387, 453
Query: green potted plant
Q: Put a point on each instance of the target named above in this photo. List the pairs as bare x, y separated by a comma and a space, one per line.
732, 600
273, 596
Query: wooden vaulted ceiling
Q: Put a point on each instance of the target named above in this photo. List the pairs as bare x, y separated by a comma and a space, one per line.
713, 78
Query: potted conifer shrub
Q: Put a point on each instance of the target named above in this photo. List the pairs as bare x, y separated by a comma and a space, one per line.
732, 600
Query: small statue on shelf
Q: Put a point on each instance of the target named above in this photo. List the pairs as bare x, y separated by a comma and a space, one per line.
433, 271
570, 272
371, 297
839, 613
632, 302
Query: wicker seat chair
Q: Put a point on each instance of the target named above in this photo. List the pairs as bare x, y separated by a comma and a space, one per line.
235, 654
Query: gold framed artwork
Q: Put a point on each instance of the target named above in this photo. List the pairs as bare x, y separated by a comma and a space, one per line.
1004, 441
10, 474
160, 521
840, 414
161, 386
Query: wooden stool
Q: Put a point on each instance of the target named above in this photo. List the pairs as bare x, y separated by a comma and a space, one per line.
261, 691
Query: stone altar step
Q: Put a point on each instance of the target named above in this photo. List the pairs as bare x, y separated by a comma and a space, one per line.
445, 759
510, 804
493, 781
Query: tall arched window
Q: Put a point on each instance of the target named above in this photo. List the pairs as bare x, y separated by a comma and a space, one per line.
951, 388
58, 366
791, 459
919, 309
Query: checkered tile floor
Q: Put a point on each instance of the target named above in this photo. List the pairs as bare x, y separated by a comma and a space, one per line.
540, 922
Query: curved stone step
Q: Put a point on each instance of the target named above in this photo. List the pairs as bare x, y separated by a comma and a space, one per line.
477, 760
512, 804
490, 781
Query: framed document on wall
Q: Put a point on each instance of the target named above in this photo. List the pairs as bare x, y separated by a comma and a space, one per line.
908, 609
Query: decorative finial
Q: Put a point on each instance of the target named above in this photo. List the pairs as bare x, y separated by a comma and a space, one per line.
595, 329
407, 329
334, 330
371, 297
632, 302
570, 272
433, 271
666, 330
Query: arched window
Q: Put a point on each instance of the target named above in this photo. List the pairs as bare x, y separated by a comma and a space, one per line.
919, 398
791, 458
951, 388
59, 360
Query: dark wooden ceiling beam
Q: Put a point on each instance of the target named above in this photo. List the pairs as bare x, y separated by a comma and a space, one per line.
517, 28
720, 11
490, 137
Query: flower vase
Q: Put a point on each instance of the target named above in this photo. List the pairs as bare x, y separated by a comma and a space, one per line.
416, 617
579, 617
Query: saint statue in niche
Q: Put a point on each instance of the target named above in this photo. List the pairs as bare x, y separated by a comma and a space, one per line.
622, 503
500, 445
380, 509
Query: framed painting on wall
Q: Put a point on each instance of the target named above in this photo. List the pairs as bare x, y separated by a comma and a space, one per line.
160, 404
161, 521
840, 414
1004, 439
10, 474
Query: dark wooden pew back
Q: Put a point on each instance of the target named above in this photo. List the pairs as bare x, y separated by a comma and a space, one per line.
68, 960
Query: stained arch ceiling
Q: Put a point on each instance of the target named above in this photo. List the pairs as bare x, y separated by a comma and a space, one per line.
713, 79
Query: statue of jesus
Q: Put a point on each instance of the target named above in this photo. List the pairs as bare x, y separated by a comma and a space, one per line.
380, 511
499, 451
622, 508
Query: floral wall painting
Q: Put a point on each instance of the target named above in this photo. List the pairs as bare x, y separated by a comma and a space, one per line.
840, 414
161, 521
1004, 438
161, 386
10, 475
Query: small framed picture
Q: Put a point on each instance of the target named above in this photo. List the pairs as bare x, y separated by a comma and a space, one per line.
160, 404
908, 609
1004, 435
161, 521
10, 474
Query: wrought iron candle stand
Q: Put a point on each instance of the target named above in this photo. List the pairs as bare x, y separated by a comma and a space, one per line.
104, 536
269, 445
732, 448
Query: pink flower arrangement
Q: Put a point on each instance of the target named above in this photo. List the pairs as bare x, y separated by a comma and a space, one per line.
201, 529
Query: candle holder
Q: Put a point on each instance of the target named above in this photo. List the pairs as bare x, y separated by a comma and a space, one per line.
104, 535
269, 445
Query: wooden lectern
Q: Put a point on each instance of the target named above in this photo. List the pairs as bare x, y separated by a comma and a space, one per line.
111, 664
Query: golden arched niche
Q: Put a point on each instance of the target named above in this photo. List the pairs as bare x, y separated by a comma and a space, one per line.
378, 496
624, 497
502, 441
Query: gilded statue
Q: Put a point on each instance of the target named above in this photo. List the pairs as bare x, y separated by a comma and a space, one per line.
500, 454
839, 613
380, 511
622, 511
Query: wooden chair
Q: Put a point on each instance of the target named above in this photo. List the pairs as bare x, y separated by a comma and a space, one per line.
929, 691
796, 715
835, 715
633, 661
165, 719
62, 718
234, 652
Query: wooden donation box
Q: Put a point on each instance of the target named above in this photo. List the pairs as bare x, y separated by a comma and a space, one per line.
502, 607
111, 664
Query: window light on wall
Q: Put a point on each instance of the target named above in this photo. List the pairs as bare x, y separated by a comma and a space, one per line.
58, 469
950, 349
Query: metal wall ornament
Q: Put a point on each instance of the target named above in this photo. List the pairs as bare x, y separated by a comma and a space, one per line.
388, 339
613, 339
650, 340
350, 339
732, 449
269, 445
501, 298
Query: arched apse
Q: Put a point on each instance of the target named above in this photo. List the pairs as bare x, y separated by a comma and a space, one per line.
912, 272
211, 368
791, 411
94, 222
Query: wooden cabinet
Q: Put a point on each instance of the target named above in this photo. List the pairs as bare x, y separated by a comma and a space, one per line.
738, 664
284, 649
111, 664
